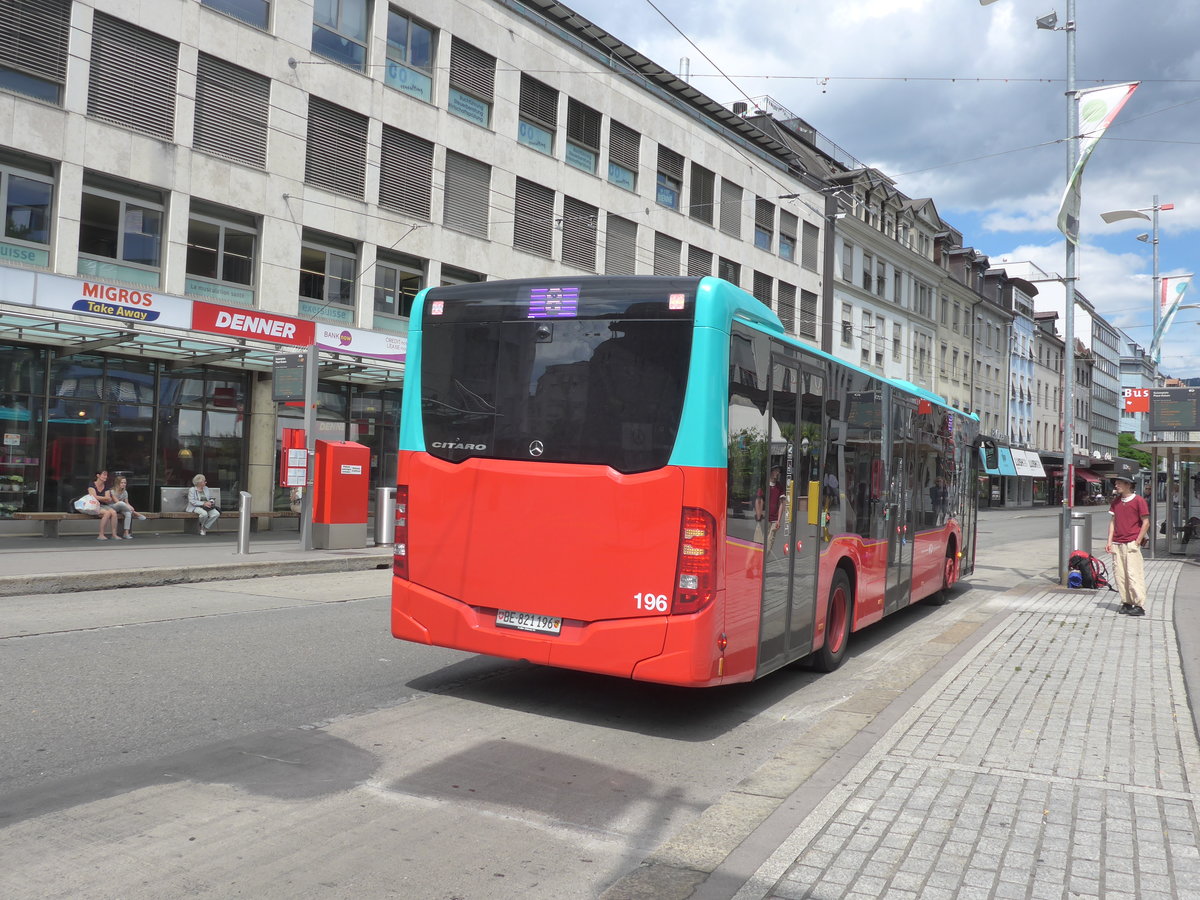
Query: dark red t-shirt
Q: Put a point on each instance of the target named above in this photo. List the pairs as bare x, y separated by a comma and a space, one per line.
1127, 518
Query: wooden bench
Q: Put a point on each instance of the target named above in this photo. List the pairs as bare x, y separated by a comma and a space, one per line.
52, 521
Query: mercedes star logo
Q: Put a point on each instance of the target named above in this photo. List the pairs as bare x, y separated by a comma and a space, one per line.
536, 448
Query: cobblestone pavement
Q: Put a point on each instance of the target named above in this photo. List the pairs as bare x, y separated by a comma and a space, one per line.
1057, 759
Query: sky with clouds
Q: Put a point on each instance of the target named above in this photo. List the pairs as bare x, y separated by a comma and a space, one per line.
965, 104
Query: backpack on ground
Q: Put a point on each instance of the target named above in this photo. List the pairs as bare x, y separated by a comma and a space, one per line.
1092, 573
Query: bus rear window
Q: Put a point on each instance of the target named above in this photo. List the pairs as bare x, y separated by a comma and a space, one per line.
580, 376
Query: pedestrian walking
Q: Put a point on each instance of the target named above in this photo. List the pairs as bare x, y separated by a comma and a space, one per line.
1128, 525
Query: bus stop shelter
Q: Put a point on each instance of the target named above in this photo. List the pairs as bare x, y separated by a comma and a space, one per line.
1175, 502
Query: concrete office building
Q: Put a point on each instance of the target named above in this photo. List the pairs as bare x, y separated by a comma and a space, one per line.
192, 187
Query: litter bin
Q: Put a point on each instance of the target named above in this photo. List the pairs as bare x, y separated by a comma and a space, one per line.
1081, 532
385, 515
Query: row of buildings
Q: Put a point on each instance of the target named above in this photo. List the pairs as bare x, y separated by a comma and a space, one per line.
192, 186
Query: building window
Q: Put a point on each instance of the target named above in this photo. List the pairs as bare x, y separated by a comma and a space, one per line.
409, 56
699, 262
897, 337
336, 156
731, 209
27, 195
583, 137
33, 49
533, 216
764, 224
398, 280
624, 146
132, 77
252, 12
847, 325
466, 197
668, 254
787, 306
538, 118
670, 178
120, 232
808, 314
763, 286
221, 255
452, 275
620, 246
405, 172
703, 183
327, 276
340, 31
877, 339
788, 224
808, 252
847, 262
472, 83
729, 270
232, 111
579, 233
868, 271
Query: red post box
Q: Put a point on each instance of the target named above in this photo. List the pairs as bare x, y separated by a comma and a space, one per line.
341, 487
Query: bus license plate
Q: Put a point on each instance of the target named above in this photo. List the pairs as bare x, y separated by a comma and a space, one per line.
506, 618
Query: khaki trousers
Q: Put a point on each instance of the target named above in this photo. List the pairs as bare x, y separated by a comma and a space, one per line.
1129, 573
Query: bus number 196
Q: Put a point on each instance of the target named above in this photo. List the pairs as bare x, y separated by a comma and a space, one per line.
652, 602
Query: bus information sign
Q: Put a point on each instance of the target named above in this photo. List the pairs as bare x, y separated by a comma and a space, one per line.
559, 301
1175, 409
287, 377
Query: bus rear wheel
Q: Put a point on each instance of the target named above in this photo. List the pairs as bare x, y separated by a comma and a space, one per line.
837, 623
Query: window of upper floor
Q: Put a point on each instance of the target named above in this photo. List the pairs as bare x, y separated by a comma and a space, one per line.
410, 50
34, 49
339, 32
27, 196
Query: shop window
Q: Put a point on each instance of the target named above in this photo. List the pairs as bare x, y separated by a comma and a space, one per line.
120, 232
336, 153
583, 137
398, 280
327, 278
252, 12
33, 51
232, 111
27, 195
472, 83
340, 31
538, 115
132, 77
221, 255
409, 56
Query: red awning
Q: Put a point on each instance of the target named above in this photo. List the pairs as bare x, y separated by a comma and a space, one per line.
1054, 473
1087, 475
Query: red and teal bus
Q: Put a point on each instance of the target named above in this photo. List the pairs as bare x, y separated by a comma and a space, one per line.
647, 477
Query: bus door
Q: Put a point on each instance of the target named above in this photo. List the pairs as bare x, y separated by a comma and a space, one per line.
900, 522
790, 546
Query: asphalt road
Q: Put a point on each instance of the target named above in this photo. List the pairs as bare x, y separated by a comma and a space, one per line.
268, 738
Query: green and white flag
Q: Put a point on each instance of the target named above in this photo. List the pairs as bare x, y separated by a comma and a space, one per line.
1097, 108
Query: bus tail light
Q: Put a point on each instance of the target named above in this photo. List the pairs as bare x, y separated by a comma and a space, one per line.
400, 539
697, 567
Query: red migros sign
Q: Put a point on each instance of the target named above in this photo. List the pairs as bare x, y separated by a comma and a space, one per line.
247, 323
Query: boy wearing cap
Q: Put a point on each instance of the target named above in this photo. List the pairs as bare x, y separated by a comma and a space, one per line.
1127, 529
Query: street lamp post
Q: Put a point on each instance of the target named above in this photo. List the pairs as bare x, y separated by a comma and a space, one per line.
1050, 23
1118, 215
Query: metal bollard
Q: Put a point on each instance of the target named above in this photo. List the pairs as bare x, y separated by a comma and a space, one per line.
244, 524
385, 515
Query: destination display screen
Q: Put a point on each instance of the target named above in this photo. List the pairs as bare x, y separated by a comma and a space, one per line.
1175, 409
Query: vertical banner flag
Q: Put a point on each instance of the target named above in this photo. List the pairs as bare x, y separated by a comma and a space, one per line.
1097, 108
1170, 293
